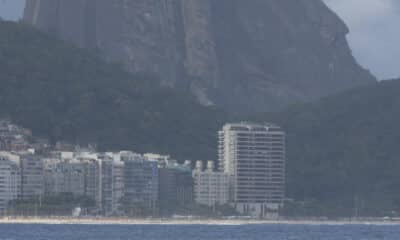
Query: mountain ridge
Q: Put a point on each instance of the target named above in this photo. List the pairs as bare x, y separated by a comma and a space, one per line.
247, 56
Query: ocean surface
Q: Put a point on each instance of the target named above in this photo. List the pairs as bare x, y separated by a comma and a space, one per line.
198, 232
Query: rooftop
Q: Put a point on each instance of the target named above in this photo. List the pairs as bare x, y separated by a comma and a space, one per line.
248, 126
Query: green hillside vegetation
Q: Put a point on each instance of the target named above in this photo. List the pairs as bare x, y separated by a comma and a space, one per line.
344, 152
65, 93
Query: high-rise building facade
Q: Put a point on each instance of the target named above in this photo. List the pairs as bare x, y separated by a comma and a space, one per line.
107, 186
92, 183
175, 186
112, 188
64, 177
254, 156
10, 182
118, 185
140, 184
32, 178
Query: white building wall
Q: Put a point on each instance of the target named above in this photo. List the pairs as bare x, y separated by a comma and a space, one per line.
32, 177
10, 183
254, 155
118, 185
211, 188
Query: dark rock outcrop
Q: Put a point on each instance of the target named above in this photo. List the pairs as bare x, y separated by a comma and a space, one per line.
253, 55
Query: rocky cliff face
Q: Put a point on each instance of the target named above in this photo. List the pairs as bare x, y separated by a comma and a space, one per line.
255, 55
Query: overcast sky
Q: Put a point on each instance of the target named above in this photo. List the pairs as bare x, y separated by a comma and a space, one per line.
374, 26
375, 33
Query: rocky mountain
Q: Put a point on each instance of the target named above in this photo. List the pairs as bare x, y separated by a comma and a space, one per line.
253, 55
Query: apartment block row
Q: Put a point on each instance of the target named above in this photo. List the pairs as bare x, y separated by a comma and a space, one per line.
249, 175
117, 182
20, 177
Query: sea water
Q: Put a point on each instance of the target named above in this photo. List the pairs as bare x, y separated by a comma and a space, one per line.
198, 232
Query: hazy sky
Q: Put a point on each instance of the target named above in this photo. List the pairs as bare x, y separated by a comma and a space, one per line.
11, 9
375, 33
374, 26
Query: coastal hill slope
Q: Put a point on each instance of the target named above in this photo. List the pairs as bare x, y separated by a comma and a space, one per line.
246, 56
65, 93
343, 150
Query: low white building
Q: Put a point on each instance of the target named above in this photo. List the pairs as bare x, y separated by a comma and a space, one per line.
211, 188
10, 182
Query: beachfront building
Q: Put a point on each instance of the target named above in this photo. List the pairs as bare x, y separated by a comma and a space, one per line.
97, 176
32, 180
211, 188
140, 184
92, 183
107, 186
175, 185
118, 186
112, 184
10, 182
254, 156
62, 177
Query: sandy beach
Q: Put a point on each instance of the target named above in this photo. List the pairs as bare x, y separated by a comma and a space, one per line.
120, 221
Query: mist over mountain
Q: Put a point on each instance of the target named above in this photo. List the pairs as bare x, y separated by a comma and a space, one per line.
245, 56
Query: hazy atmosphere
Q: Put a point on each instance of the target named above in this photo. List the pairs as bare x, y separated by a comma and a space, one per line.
374, 33
199, 119
373, 25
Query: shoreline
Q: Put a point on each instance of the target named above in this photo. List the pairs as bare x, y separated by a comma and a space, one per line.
187, 222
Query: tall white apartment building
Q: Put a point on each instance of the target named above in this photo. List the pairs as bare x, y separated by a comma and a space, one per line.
32, 178
92, 179
117, 180
10, 182
254, 156
210, 188
118, 185
140, 182
112, 180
